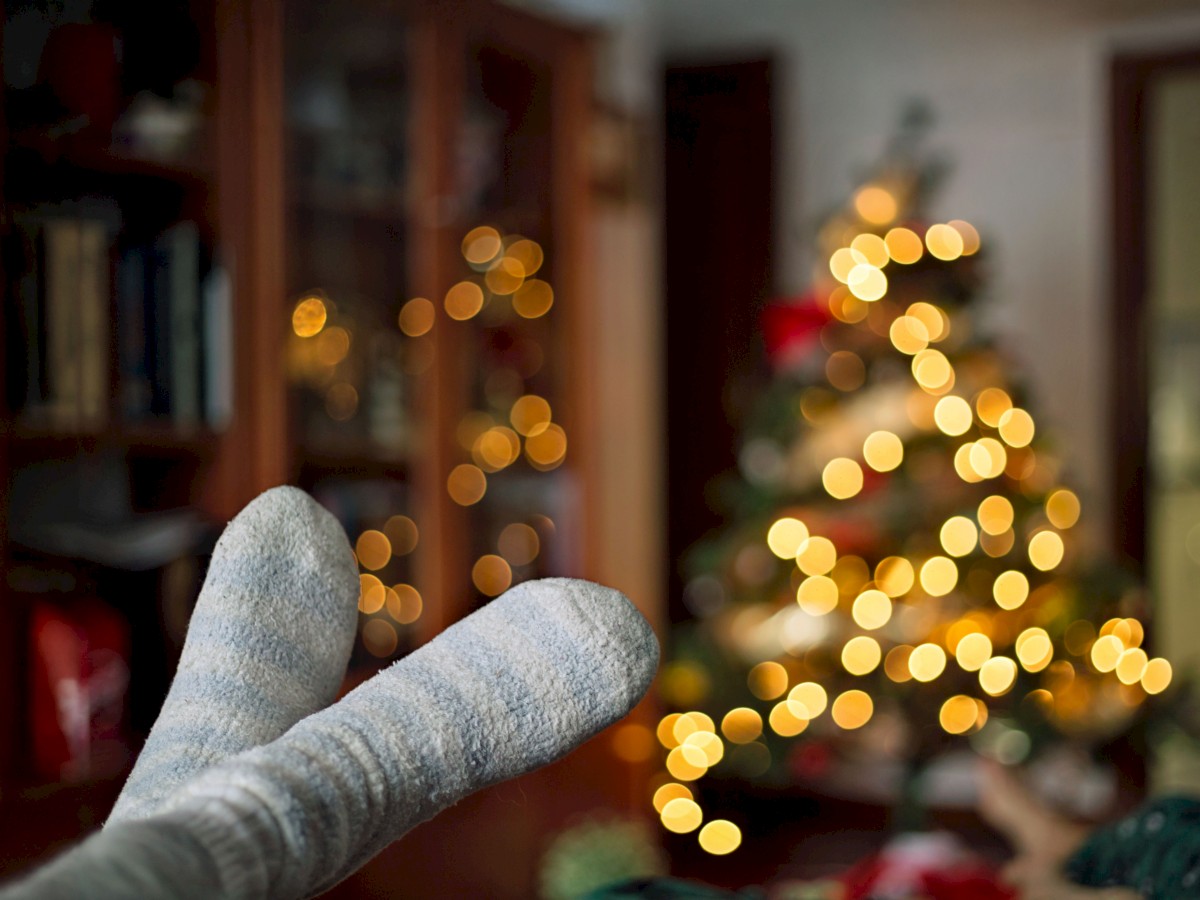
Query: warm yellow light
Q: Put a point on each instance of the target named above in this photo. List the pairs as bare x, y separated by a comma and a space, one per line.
1034, 649
309, 317
1106, 652
666, 730
1136, 633
851, 574
872, 609
785, 536
767, 680
852, 709
988, 458
973, 651
481, 245
883, 451
741, 725
861, 655
684, 764
970, 236
1046, 550
466, 484
952, 415
719, 837
895, 664
846, 307
672, 790
872, 248
504, 276
909, 334
416, 317
817, 595
997, 545
959, 536
528, 253
333, 345
380, 638
692, 723
784, 722
372, 594
546, 449
807, 700
936, 322
463, 301
404, 604
894, 576
944, 242
845, 370
876, 205
842, 477
533, 299
1062, 508
939, 575
997, 675
962, 463
681, 815
843, 261
1016, 427
1010, 589
867, 283
530, 415
904, 245
491, 575
1131, 666
402, 532
707, 743
373, 549
519, 544
996, 514
816, 556
992, 404
927, 662
933, 371
958, 714
1157, 677
496, 448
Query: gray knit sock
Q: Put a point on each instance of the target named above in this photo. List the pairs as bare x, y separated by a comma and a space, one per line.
267, 645
514, 686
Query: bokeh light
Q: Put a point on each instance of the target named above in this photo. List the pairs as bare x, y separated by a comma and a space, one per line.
784, 722
1016, 427
741, 725
681, 815
895, 576
404, 604
1045, 550
875, 205
533, 299
972, 651
927, 662
491, 575
817, 595
767, 680
466, 484
852, 709
785, 536
464, 300
380, 638
309, 316
871, 610
1010, 589
1062, 508
958, 714
883, 451
403, 535
519, 544
528, 253
970, 236
938, 576
952, 415
816, 556
909, 335
808, 700
944, 242
719, 837
373, 549
416, 317
842, 478
672, 790
992, 404
995, 514
997, 675
548, 448
481, 245
958, 536
904, 245
530, 415
861, 655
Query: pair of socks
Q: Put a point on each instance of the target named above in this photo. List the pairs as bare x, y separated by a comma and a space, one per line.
250, 787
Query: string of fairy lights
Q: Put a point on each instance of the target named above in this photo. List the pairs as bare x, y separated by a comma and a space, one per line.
889, 614
514, 425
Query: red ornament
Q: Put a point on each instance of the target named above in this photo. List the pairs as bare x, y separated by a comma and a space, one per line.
792, 328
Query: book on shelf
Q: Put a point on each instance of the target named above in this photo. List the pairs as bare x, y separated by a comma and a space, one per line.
59, 286
86, 301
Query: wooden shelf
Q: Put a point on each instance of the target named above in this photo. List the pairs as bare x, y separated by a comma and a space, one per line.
107, 161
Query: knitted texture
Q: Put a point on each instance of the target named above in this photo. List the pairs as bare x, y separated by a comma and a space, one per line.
510, 688
267, 645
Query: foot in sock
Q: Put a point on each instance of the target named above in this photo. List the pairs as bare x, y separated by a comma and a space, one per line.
510, 688
267, 645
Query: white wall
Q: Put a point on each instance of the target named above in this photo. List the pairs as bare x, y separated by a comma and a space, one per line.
1020, 93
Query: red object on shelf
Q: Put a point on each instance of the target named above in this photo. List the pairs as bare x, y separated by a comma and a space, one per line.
79, 656
80, 63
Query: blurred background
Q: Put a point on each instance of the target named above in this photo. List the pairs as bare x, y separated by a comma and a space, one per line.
846, 339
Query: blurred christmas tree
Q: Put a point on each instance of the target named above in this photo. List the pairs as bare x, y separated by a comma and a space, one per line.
900, 571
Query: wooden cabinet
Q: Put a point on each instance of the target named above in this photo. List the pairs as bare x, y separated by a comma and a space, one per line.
381, 213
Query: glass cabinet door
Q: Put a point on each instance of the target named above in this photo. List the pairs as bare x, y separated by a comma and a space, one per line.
351, 366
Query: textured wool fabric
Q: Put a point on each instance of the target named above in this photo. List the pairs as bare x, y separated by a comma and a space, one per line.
515, 685
267, 645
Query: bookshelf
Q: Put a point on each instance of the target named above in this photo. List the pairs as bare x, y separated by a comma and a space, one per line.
260, 156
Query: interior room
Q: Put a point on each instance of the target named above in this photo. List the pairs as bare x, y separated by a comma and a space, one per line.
854, 346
